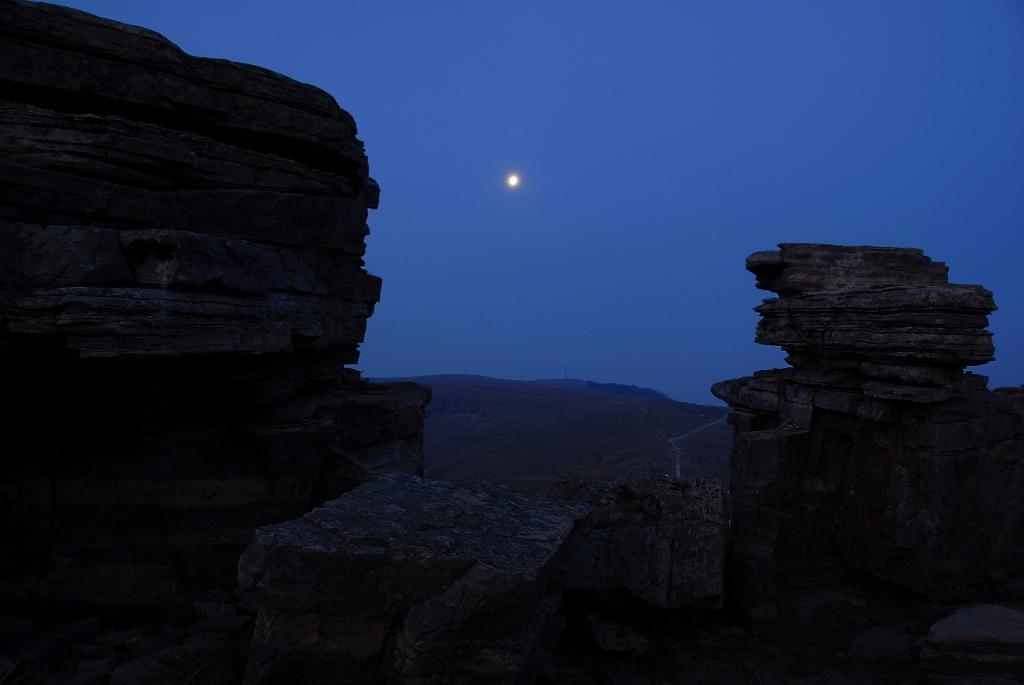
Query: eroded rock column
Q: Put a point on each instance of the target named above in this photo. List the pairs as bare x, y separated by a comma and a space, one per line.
874, 447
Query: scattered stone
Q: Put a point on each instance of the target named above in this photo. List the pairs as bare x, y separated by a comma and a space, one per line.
408, 577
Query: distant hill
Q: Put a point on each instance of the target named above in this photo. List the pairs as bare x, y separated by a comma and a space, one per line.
609, 388
530, 434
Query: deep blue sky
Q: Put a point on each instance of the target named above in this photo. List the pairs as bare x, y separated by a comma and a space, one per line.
659, 143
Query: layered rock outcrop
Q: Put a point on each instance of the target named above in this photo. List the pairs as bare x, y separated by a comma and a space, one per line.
409, 581
874, 447
181, 283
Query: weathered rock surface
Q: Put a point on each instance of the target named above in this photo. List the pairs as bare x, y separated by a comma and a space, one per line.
181, 283
654, 542
977, 641
874, 446
418, 580
222, 207
882, 320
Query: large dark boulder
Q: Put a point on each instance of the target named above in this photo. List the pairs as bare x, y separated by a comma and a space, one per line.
409, 580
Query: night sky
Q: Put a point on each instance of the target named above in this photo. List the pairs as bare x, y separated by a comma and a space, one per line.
659, 143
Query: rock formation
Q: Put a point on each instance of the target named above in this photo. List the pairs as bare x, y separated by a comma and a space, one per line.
181, 283
656, 543
875, 447
419, 580
181, 287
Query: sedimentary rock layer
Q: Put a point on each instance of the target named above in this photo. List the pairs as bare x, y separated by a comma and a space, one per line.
874, 447
181, 283
220, 207
883, 313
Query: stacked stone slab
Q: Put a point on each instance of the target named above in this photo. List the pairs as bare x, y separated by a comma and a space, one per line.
882, 320
181, 283
874, 447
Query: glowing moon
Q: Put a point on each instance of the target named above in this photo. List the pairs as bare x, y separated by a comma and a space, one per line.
512, 180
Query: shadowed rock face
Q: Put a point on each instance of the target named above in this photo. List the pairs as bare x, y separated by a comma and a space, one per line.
874, 446
420, 580
181, 283
652, 543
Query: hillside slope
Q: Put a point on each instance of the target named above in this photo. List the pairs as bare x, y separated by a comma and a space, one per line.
530, 434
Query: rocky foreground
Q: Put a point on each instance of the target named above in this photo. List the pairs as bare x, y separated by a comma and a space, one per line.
194, 489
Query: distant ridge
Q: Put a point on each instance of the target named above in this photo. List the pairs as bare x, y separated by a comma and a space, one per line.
530, 434
610, 388
622, 389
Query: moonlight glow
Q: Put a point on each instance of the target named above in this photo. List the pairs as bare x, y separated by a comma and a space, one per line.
512, 180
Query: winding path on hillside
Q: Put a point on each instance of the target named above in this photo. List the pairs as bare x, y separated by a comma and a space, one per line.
672, 445
698, 429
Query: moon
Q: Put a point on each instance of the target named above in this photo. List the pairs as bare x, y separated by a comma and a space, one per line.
512, 180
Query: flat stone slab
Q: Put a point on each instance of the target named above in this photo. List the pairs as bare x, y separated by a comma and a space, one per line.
982, 639
410, 578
